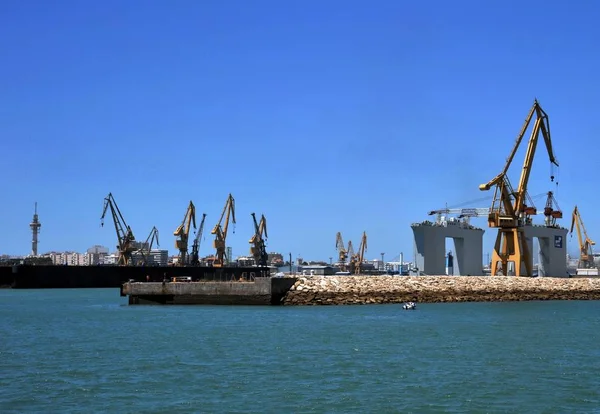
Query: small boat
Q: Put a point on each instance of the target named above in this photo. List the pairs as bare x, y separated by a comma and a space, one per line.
409, 306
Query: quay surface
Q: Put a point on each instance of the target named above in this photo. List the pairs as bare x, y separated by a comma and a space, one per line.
333, 290
345, 290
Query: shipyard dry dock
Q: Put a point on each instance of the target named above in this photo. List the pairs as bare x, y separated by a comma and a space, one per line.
333, 290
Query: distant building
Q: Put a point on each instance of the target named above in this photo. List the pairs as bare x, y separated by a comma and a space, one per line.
318, 270
111, 259
276, 259
97, 249
158, 257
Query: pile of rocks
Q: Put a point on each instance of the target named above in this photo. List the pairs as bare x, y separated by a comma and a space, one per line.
334, 290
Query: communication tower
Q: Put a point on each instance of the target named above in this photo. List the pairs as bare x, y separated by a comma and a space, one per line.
35, 229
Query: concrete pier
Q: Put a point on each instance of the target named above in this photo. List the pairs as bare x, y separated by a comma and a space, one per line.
343, 290
430, 244
354, 290
259, 291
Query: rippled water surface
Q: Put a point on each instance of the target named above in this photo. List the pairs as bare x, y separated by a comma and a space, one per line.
88, 351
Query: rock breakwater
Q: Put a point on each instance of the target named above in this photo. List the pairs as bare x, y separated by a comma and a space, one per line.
346, 290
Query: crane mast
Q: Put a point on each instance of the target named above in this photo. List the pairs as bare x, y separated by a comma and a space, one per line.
586, 258
183, 233
512, 208
195, 256
258, 249
125, 236
342, 251
220, 232
153, 236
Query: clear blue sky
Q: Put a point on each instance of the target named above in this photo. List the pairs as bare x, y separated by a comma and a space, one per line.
324, 115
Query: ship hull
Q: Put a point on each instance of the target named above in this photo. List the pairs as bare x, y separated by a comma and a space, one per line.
53, 277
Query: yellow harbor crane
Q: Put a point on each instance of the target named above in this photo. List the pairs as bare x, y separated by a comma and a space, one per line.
258, 249
195, 256
342, 251
586, 258
183, 232
125, 235
512, 209
221, 232
358, 259
350, 249
147, 246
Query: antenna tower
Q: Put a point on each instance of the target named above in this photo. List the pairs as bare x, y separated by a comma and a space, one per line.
35, 229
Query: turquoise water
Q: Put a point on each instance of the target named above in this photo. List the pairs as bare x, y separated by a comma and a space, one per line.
87, 351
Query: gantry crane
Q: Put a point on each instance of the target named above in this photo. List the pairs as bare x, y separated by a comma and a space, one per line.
586, 258
357, 260
221, 232
258, 249
125, 236
183, 233
342, 251
464, 213
552, 211
147, 246
195, 256
510, 211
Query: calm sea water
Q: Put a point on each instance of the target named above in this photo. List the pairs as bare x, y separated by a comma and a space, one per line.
87, 351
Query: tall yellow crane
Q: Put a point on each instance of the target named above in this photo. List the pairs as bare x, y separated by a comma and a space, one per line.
342, 251
586, 258
221, 232
125, 236
510, 211
258, 249
147, 246
195, 256
183, 233
358, 259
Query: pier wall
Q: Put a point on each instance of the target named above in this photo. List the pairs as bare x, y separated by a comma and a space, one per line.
429, 241
329, 290
260, 291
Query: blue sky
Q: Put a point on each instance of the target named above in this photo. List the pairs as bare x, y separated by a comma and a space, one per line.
324, 115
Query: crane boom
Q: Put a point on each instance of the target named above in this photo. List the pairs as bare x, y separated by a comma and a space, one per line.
195, 256
125, 235
258, 249
183, 232
509, 211
586, 257
220, 232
